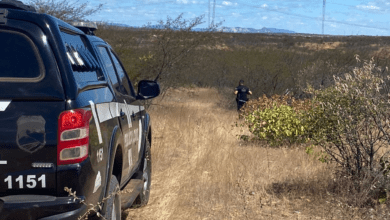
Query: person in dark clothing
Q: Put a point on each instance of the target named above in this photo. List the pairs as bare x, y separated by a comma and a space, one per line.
242, 93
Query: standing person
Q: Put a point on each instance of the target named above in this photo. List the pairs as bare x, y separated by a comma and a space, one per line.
241, 91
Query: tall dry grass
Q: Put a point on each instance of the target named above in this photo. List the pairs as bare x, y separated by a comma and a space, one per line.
202, 171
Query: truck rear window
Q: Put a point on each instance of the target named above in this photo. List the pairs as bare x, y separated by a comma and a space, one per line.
19, 58
84, 65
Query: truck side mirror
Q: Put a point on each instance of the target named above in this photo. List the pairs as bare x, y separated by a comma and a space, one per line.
148, 89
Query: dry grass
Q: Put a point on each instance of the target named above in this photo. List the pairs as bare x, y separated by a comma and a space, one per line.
202, 171
322, 46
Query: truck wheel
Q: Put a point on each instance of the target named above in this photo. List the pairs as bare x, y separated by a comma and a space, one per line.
143, 197
113, 203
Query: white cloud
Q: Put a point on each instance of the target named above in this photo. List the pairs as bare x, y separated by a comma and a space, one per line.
264, 17
182, 1
227, 3
264, 6
368, 7
277, 18
377, 6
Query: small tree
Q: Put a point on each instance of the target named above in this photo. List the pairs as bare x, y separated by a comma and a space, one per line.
65, 10
351, 120
173, 41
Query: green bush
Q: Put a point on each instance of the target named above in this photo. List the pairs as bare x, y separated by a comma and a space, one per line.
277, 124
278, 119
349, 120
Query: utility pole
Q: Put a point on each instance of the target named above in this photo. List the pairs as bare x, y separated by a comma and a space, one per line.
213, 14
323, 16
209, 13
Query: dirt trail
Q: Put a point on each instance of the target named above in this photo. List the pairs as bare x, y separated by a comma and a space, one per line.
202, 171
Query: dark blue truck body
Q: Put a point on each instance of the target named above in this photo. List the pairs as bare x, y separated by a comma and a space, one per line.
48, 68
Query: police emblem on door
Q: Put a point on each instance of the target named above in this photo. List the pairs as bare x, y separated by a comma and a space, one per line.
31, 135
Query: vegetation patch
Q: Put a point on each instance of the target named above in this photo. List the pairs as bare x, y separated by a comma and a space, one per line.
349, 120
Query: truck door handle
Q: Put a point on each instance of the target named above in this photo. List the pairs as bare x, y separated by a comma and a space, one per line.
122, 114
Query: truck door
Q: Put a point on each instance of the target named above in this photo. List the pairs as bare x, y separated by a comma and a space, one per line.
133, 111
122, 110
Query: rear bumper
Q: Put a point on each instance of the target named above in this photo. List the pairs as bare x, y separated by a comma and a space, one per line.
32, 207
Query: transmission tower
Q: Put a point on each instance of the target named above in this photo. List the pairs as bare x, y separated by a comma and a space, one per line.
323, 16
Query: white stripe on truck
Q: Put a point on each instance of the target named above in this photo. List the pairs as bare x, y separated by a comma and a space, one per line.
4, 104
105, 111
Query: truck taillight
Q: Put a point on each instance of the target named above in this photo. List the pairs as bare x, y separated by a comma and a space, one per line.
73, 136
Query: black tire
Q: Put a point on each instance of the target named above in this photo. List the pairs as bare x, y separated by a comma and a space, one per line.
112, 206
146, 166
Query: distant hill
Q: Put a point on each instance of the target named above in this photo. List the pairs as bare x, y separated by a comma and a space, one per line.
252, 30
221, 29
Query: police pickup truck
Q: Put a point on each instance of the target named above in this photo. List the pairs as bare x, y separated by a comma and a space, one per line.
69, 119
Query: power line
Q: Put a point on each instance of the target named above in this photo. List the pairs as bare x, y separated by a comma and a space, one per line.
212, 20
358, 25
316, 18
333, 3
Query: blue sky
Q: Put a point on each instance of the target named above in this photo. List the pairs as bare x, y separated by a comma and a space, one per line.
346, 17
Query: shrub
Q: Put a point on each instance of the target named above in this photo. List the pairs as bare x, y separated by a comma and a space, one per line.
65, 10
278, 119
276, 124
351, 119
